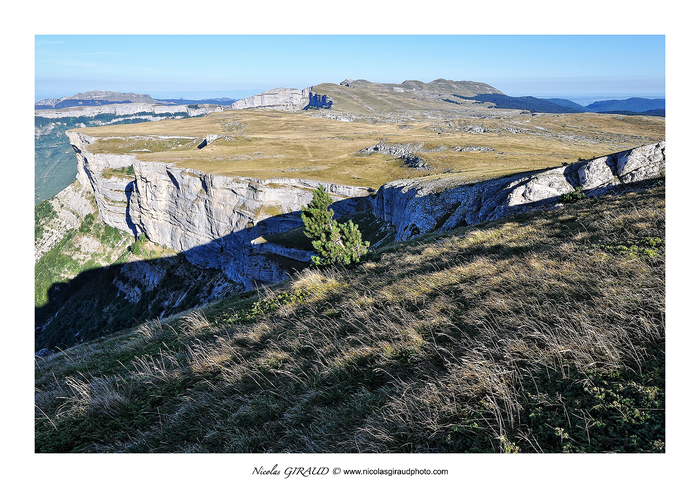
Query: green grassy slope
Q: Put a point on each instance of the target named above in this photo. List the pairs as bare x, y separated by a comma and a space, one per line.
66, 259
542, 333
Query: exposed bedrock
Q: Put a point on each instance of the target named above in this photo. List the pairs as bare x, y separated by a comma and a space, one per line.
214, 220
290, 99
418, 206
211, 219
111, 192
127, 109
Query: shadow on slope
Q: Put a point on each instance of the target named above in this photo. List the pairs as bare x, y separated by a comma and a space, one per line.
104, 300
528, 334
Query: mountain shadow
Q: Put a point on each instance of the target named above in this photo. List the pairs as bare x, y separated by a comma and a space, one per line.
108, 299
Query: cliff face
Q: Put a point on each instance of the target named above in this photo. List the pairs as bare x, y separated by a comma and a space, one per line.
416, 207
215, 221
211, 219
111, 193
126, 109
290, 99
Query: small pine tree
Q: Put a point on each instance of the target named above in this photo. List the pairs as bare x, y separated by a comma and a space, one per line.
334, 243
354, 247
317, 217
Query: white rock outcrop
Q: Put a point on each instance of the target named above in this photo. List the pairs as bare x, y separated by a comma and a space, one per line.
111, 193
418, 206
288, 99
126, 109
211, 219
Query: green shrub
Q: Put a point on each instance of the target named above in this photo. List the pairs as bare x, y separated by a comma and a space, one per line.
110, 235
138, 247
644, 247
86, 225
572, 196
334, 243
43, 212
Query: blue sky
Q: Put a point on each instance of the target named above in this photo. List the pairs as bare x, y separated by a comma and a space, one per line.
196, 66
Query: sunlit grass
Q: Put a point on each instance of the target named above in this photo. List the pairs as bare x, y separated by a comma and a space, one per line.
268, 144
524, 335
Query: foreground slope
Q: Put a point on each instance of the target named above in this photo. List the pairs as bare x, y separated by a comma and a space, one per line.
540, 333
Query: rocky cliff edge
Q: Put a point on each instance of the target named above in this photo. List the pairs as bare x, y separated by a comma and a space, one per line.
418, 206
288, 99
211, 219
214, 220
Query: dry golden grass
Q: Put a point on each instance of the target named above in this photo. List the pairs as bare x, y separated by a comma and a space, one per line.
269, 144
543, 333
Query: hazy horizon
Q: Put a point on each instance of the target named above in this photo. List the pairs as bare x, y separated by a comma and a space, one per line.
580, 98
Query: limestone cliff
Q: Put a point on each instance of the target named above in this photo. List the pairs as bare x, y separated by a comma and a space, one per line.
126, 109
211, 219
418, 206
289, 99
215, 221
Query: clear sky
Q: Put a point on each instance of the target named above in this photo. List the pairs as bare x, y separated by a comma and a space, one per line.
196, 66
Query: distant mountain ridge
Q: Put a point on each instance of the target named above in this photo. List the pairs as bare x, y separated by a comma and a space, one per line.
370, 98
379, 96
97, 98
94, 98
629, 105
531, 104
566, 103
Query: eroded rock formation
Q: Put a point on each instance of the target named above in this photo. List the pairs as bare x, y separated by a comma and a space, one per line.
290, 99
211, 219
127, 109
418, 206
215, 221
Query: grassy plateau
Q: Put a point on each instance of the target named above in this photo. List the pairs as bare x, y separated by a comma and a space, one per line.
270, 144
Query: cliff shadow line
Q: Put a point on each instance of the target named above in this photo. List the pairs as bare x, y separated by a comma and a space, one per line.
108, 299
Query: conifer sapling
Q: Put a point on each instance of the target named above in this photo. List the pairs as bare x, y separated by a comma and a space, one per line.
334, 243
